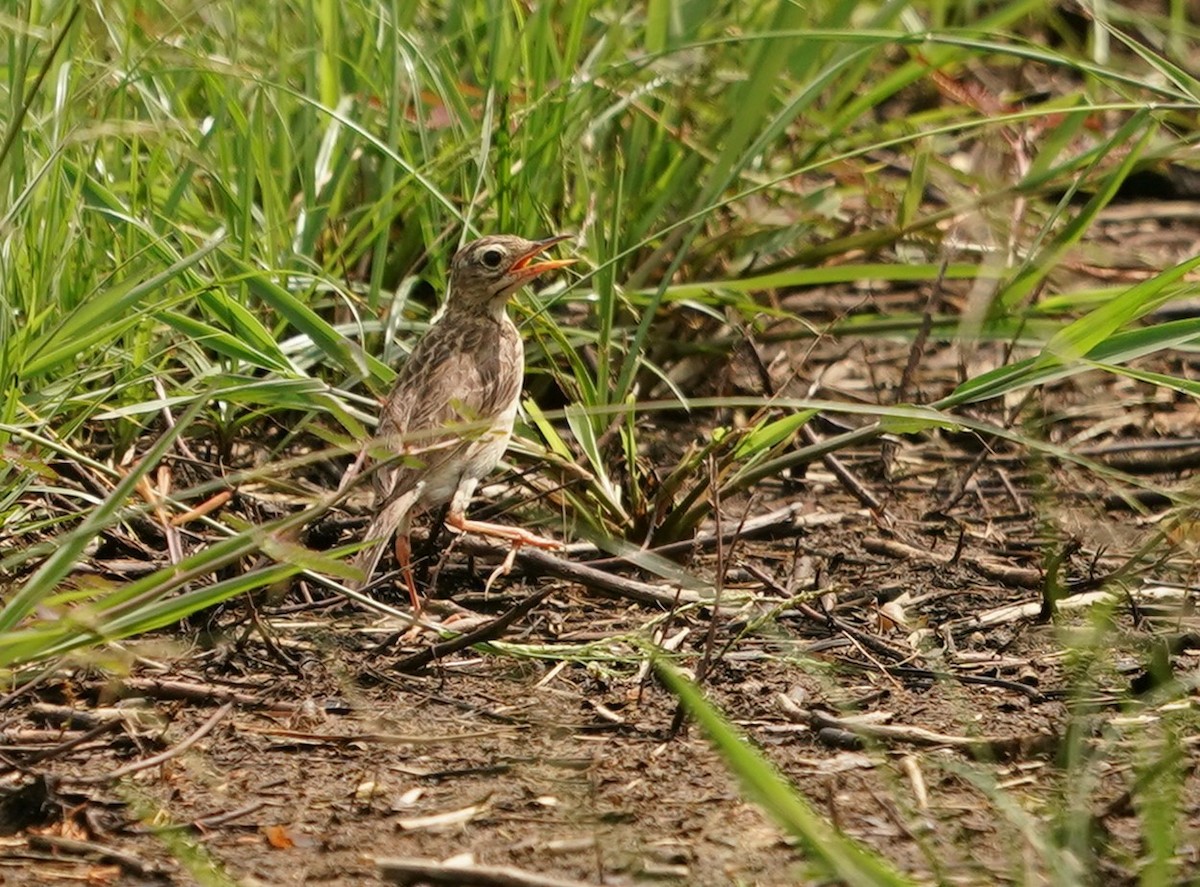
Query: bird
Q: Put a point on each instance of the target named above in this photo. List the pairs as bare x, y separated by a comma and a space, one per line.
449, 417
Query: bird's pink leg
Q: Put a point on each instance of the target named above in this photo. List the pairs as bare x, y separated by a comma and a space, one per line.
404, 559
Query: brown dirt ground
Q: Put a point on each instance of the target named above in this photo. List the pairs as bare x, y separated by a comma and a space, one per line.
557, 758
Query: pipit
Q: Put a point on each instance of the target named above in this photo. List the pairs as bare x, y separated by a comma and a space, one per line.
451, 410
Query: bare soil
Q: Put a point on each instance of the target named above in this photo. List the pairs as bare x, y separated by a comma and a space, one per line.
555, 754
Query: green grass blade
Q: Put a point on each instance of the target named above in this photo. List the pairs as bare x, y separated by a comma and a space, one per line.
64, 557
332, 344
832, 853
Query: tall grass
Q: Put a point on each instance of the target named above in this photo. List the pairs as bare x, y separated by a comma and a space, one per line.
233, 208
220, 222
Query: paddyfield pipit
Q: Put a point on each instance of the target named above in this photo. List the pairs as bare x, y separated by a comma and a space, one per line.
450, 412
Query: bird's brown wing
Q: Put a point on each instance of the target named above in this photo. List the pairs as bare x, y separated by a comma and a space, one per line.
458, 378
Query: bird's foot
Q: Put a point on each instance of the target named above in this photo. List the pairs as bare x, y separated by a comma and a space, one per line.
535, 541
515, 535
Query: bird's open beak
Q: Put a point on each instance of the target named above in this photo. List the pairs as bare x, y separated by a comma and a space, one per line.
527, 269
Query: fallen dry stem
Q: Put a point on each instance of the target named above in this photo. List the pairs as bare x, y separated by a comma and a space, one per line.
428, 871
155, 760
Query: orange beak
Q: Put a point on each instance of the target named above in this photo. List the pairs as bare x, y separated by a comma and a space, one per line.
523, 268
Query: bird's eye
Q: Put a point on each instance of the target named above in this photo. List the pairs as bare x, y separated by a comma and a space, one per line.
492, 257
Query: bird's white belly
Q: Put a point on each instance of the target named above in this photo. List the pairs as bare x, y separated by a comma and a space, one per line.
443, 481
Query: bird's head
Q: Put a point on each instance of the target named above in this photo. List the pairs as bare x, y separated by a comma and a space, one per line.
486, 272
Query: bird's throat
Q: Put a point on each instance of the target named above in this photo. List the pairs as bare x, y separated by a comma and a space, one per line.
497, 306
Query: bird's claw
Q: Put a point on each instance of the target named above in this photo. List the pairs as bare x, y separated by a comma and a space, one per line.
504, 569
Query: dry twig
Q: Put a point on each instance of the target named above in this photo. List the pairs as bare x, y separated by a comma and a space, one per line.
986, 748
541, 563
428, 871
486, 632
155, 760
92, 851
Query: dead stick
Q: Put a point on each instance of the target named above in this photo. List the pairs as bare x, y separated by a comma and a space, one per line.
72, 718
429, 871
542, 564
486, 632
790, 518
979, 747
216, 819
90, 850
201, 824
829, 619
63, 748
1013, 577
843, 474
929, 674
193, 692
153, 761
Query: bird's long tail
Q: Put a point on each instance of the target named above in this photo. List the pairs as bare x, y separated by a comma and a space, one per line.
392, 517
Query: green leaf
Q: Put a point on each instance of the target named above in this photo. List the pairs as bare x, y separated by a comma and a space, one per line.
1090, 331
915, 424
104, 315
245, 328
331, 343
768, 434
1046, 260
